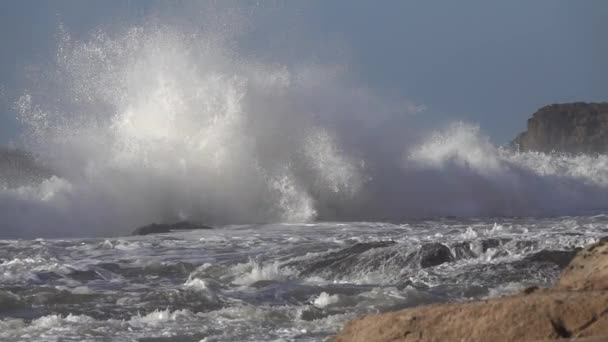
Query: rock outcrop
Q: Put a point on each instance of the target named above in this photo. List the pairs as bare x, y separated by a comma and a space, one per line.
570, 128
159, 228
588, 271
432, 254
576, 307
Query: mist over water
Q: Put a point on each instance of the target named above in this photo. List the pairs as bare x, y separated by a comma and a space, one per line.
157, 123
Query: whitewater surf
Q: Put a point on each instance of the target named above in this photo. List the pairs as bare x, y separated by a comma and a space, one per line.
278, 282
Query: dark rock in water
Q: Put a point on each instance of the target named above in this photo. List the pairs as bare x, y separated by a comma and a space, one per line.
158, 228
432, 254
312, 313
560, 258
570, 127
493, 243
341, 260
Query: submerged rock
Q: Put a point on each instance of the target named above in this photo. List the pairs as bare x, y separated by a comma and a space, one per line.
340, 261
577, 307
432, 254
158, 228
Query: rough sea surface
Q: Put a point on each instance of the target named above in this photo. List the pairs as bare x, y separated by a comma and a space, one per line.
280, 282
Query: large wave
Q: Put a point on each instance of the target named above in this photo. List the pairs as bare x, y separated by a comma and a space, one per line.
160, 123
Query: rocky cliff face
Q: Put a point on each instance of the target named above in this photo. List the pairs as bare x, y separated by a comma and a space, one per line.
570, 127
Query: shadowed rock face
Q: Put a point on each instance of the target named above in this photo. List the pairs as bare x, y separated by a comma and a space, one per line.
158, 228
18, 168
571, 128
342, 261
432, 254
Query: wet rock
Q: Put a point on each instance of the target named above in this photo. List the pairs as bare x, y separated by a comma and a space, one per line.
159, 228
577, 307
560, 258
340, 261
311, 313
432, 254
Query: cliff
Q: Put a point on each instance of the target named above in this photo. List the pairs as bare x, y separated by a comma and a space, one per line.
570, 127
576, 307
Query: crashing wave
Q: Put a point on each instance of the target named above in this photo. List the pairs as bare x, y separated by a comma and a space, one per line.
161, 124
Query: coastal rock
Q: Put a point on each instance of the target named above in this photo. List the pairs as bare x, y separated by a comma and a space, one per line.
577, 307
432, 254
560, 258
570, 127
340, 261
588, 270
159, 228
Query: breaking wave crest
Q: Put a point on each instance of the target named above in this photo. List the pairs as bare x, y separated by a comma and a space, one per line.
159, 123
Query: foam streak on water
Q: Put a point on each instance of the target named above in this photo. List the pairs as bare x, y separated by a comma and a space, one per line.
268, 282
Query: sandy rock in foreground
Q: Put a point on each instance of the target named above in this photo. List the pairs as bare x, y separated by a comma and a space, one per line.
588, 270
576, 308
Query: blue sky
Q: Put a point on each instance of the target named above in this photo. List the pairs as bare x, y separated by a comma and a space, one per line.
487, 62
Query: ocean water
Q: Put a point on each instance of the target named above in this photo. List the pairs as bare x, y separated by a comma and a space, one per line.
276, 282
364, 208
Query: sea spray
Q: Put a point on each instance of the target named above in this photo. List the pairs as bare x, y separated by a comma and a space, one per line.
159, 122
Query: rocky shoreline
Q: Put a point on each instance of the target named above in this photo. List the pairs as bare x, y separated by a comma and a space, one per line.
576, 307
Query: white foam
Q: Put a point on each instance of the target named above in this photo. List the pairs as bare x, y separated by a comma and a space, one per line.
324, 299
253, 271
470, 234
197, 284
159, 317
506, 289
20, 270
472, 177
41, 328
